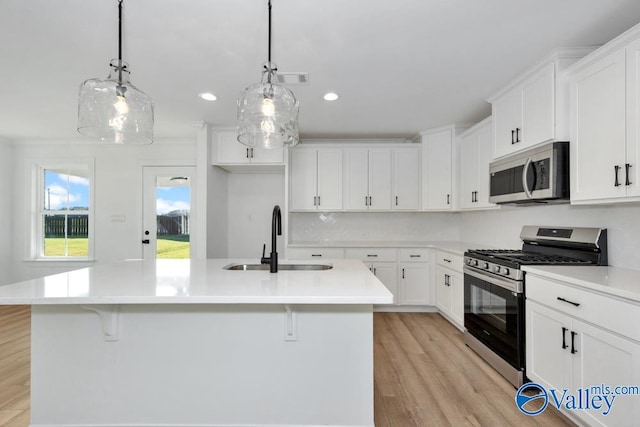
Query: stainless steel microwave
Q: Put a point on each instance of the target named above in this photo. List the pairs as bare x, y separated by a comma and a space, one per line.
536, 175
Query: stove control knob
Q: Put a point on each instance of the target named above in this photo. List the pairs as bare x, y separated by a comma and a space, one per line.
505, 271
468, 261
496, 269
485, 265
475, 263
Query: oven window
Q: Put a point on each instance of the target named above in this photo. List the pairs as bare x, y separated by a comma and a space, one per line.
491, 307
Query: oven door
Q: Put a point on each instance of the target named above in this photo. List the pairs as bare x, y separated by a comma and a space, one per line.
494, 314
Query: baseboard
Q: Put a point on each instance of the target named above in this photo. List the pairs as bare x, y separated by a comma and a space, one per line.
405, 308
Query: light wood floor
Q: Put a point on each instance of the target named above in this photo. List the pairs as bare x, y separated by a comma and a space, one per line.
424, 376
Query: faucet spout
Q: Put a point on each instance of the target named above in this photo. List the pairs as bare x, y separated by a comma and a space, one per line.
276, 230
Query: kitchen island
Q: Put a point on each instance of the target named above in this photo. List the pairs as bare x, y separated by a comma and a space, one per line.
186, 343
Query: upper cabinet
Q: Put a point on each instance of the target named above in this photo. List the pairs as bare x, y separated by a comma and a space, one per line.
533, 108
367, 179
605, 123
406, 178
229, 154
315, 179
475, 156
438, 169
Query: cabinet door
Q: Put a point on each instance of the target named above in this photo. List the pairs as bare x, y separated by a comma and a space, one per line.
356, 178
230, 150
443, 291
506, 114
598, 129
387, 272
548, 346
380, 178
406, 179
456, 283
633, 118
303, 179
437, 167
468, 171
483, 158
330, 179
414, 284
261, 155
538, 108
603, 358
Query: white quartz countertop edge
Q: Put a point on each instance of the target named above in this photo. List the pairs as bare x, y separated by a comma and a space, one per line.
620, 282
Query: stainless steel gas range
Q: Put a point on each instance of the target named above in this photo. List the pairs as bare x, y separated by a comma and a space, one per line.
494, 286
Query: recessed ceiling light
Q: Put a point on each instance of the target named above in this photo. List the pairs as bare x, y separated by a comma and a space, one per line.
208, 96
330, 96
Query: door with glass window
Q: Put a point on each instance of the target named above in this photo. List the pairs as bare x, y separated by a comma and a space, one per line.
168, 208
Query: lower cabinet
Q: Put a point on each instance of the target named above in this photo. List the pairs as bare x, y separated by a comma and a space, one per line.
565, 350
413, 282
450, 294
387, 273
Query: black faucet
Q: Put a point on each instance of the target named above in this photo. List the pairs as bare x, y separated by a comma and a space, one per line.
273, 259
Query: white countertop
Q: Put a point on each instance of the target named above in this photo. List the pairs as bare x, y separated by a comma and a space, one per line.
201, 282
455, 247
620, 282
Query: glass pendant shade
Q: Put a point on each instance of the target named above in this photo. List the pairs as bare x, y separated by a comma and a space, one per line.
114, 110
268, 113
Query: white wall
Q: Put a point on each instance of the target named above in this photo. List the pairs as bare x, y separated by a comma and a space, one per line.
373, 226
6, 203
501, 228
118, 196
251, 198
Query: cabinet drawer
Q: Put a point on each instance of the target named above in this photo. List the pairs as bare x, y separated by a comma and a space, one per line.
372, 254
414, 254
601, 310
448, 260
315, 253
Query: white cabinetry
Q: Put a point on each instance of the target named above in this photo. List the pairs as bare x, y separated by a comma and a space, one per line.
605, 123
315, 253
367, 175
406, 178
414, 277
449, 287
570, 345
475, 156
315, 179
229, 154
533, 108
438, 169
382, 262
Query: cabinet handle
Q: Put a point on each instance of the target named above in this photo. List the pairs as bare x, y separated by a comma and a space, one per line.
247, 153
366, 201
627, 166
446, 280
475, 197
564, 341
403, 273
374, 271
446, 260
318, 200
448, 198
396, 200
370, 202
372, 256
576, 304
513, 134
414, 256
616, 168
252, 153
573, 344
316, 255
517, 134
314, 201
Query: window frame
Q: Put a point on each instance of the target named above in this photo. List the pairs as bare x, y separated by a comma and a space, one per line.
39, 211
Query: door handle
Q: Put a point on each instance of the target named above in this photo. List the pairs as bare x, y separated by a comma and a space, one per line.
627, 166
564, 341
616, 168
573, 344
525, 185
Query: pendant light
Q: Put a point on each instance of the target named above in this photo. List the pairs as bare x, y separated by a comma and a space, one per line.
113, 109
268, 111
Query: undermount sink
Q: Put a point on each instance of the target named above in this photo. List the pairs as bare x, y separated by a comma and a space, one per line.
303, 267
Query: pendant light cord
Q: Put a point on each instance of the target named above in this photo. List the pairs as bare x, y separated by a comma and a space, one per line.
120, 42
268, 66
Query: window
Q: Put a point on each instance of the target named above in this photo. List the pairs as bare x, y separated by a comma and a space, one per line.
64, 215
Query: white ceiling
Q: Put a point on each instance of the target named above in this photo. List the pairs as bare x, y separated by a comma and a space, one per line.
400, 66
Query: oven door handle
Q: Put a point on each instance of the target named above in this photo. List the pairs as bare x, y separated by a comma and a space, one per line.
524, 178
510, 285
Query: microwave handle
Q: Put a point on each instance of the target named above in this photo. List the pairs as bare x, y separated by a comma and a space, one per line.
524, 178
